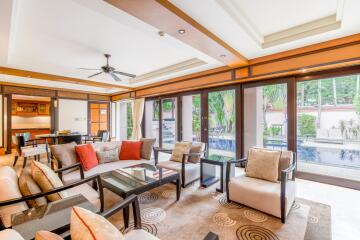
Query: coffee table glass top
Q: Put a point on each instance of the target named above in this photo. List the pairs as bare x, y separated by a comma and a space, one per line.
133, 177
218, 158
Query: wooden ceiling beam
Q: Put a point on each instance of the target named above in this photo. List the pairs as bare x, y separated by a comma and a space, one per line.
168, 18
57, 78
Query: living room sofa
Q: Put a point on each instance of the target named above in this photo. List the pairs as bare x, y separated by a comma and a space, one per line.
64, 155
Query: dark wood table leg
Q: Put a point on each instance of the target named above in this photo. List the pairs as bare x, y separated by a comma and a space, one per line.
222, 175
178, 189
126, 211
47, 150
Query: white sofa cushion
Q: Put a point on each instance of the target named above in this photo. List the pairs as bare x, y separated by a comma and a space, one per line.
102, 168
139, 234
261, 194
10, 234
88, 192
9, 189
192, 170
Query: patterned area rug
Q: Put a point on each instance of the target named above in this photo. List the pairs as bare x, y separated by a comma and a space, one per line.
201, 210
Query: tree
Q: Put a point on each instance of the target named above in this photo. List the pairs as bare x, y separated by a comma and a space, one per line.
274, 97
306, 123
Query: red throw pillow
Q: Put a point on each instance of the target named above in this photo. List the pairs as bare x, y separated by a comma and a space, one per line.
130, 150
87, 156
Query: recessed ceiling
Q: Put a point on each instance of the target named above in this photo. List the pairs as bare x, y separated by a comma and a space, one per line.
59, 37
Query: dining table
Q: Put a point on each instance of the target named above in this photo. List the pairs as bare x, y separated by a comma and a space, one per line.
54, 139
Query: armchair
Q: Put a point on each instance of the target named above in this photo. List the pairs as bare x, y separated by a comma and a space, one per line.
27, 148
274, 198
189, 170
10, 204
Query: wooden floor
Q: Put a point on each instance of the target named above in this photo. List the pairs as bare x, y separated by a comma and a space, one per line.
344, 202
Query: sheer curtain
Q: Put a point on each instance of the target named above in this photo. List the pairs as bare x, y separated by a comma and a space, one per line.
137, 114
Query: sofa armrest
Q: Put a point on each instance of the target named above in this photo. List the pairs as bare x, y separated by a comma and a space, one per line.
76, 165
59, 189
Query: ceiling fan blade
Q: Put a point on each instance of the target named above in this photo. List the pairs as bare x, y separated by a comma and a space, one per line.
116, 78
125, 74
95, 74
90, 69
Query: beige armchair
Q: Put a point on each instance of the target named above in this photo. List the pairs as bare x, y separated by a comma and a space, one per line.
272, 197
188, 167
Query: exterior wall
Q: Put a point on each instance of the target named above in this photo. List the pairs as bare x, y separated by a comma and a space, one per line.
73, 115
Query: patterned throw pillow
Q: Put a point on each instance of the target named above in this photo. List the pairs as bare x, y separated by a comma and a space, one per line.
86, 225
47, 180
180, 149
147, 147
28, 187
263, 164
107, 156
196, 147
45, 235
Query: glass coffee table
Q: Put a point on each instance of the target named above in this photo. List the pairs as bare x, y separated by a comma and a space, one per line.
138, 179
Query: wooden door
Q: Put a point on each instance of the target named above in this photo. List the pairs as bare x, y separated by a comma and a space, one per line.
99, 117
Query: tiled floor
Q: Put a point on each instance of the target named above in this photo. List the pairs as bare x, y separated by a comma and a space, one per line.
345, 203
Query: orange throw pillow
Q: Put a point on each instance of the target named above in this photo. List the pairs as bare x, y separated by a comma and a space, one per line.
130, 150
87, 156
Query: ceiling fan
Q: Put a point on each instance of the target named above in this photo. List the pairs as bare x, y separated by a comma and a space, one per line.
109, 70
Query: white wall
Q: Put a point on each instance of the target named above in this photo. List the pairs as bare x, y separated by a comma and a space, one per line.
73, 115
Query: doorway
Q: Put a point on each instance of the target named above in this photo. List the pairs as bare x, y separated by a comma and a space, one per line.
98, 117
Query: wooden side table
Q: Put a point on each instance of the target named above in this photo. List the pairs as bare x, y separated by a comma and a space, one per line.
208, 174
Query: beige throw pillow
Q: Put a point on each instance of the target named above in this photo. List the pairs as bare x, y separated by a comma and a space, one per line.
45, 235
263, 164
66, 154
180, 149
86, 225
28, 187
107, 156
147, 147
47, 180
196, 147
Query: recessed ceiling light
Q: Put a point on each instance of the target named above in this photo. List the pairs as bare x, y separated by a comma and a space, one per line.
181, 31
304, 70
222, 55
161, 33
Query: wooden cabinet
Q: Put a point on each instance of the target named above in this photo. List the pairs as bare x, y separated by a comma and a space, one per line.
30, 108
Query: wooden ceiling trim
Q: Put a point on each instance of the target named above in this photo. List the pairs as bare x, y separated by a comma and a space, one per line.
63, 94
308, 49
309, 60
123, 96
99, 98
28, 91
207, 81
49, 88
57, 78
168, 18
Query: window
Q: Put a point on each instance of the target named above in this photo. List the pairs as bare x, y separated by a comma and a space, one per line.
265, 117
122, 120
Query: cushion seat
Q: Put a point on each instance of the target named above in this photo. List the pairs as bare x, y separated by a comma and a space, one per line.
137, 234
192, 170
102, 168
33, 151
88, 192
260, 194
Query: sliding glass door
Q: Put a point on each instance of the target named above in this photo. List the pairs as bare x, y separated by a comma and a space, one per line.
152, 120
328, 126
168, 122
265, 116
191, 118
221, 123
